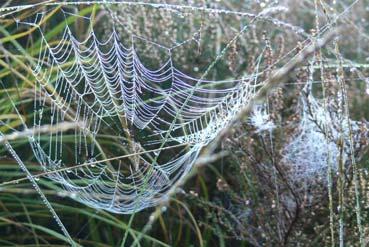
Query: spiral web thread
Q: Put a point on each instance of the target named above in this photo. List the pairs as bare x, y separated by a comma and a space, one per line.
159, 119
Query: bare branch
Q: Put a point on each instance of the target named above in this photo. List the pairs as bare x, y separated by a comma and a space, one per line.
49, 129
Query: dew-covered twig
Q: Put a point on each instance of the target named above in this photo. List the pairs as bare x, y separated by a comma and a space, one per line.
44, 129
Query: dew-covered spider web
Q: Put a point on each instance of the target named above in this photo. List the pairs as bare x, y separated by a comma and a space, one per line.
107, 88
139, 128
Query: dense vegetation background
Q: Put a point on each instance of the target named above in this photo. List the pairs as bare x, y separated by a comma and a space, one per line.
259, 192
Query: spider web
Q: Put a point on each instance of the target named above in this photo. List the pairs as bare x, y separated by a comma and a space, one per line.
140, 129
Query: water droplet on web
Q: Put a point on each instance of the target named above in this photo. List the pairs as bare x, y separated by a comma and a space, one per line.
367, 87
73, 195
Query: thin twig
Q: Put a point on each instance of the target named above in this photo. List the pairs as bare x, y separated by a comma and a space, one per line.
49, 129
69, 168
